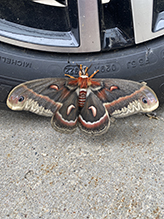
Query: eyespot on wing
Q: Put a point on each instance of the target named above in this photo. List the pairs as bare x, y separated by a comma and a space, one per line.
16, 99
148, 100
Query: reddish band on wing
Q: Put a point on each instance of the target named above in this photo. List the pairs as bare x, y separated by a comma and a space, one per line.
61, 120
91, 125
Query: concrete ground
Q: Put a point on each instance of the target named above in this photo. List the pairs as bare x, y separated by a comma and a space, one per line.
45, 174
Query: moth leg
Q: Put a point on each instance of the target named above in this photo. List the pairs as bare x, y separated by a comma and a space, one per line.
152, 115
112, 119
69, 76
94, 74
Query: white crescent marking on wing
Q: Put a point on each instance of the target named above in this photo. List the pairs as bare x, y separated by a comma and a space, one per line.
94, 110
70, 108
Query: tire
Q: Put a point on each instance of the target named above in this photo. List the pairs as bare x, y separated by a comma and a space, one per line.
144, 62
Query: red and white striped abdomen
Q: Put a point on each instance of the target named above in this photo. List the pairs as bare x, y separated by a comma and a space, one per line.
82, 97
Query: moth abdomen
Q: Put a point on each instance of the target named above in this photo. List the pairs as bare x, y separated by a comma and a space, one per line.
82, 97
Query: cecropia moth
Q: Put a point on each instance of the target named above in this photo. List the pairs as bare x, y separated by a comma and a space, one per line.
84, 101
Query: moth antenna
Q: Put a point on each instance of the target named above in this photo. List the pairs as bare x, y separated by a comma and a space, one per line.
87, 68
78, 65
90, 66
